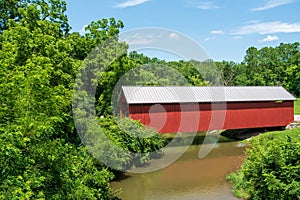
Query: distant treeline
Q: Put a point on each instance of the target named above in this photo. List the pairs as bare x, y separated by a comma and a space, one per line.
41, 154
268, 66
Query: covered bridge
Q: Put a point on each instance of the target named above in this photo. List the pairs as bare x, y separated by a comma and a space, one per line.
188, 109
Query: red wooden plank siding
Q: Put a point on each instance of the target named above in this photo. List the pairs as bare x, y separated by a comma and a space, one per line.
167, 118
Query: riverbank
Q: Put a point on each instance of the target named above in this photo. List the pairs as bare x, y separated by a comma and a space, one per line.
242, 134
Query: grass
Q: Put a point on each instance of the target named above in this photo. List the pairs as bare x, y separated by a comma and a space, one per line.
297, 107
280, 135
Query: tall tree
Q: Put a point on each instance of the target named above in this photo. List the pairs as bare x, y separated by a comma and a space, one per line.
227, 72
41, 156
52, 10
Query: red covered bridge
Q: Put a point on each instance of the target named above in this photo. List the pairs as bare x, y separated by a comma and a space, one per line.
190, 109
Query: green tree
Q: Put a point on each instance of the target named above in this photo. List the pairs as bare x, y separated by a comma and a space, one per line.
52, 10
227, 72
292, 79
41, 156
272, 167
271, 66
253, 70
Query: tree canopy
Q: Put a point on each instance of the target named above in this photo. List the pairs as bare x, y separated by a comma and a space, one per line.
268, 66
41, 154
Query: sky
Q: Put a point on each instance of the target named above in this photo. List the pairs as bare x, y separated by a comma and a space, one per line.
224, 29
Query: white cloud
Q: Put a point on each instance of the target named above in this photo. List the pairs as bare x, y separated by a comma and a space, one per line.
130, 3
272, 4
251, 22
206, 5
138, 39
237, 37
209, 38
268, 28
269, 38
217, 32
174, 36
138, 42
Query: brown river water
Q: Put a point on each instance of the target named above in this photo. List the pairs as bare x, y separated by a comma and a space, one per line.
188, 178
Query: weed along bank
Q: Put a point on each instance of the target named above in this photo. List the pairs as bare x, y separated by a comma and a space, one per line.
188, 109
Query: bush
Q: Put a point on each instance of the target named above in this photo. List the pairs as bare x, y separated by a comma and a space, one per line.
49, 169
272, 167
132, 136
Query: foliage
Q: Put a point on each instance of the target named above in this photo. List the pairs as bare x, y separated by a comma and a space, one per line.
297, 106
268, 66
292, 79
52, 10
138, 69
41, 155
228, 72
32, 168
190, 71
272, 167
133, 137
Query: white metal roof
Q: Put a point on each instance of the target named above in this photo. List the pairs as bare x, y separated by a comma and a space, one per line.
186, 94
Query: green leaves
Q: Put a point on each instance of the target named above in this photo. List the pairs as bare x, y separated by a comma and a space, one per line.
132, 137
292, 79
30, 12
40, 153
268, 66
272, 168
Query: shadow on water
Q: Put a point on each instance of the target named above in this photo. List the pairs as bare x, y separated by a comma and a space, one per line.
191, 178
183, 138
222, 136
121, 176
188, 178
242, 134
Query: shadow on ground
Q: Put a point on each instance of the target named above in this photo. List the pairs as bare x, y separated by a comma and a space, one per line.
242, 134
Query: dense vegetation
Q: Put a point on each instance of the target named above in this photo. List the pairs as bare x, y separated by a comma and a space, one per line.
297, 107
272, 167
41, 154
268, 66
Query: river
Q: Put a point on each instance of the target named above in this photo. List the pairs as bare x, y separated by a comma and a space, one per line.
188, 178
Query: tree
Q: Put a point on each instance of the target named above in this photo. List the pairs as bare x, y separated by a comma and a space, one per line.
9, 10
292, 79
41, 156
271, 66
228, 72
52, 10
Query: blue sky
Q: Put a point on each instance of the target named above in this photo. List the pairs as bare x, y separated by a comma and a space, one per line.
224, 29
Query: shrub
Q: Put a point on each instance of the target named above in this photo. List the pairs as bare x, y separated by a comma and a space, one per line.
272, 167
134, 137
49, 169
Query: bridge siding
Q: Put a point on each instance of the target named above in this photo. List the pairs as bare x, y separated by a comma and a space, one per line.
167, 118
